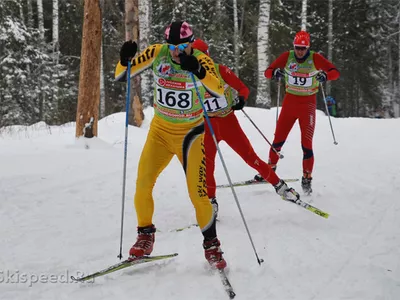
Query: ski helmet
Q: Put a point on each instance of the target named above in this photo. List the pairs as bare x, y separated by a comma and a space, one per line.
179, 32
302, 39
201, 45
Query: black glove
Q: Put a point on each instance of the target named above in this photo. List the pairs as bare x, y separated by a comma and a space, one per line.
191, 64
321, 77
127, 52
239, 103
278, 74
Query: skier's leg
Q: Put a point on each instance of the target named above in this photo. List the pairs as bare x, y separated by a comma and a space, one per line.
153, 160
286, 120
234, 136
194, 165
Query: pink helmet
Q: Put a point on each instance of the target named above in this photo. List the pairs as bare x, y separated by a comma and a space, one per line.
179, 32
302, 39
201, 45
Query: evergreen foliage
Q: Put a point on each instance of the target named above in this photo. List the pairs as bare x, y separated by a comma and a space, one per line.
34, 86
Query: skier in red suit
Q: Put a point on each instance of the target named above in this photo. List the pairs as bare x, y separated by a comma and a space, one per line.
227, 128
303, 71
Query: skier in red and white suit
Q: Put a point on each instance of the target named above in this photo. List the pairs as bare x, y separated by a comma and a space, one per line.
227, 128
300, 102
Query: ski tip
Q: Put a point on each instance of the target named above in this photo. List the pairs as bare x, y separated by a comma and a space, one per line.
76, 279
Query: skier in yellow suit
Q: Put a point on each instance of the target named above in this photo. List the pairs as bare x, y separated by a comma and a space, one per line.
177, 129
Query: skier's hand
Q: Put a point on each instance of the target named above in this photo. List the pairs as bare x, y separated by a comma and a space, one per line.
239, 103
127, 52
321, 77
278, 74
191, 64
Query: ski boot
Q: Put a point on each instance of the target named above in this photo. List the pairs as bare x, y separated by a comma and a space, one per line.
213, 253
259, 178
306, 183
144, 241
286, 193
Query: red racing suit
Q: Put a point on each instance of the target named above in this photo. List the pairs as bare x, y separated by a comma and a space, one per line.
227, 128
301, 107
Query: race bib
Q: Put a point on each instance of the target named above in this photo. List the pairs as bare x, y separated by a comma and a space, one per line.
300, 81
214, 104
181, 100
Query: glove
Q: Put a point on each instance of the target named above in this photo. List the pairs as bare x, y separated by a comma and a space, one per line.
191, 64
321, 77
239, 103
278, 74
127, 52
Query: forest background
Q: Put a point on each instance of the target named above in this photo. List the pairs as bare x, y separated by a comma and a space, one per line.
40, 48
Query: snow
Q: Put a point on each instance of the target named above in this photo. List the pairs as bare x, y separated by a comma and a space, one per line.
60, 212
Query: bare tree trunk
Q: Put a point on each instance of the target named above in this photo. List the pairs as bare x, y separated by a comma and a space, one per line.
144, 26
40, 18
136, 114
42, 95
89, 77
304, 15
236, 37
30, 14
330, 41
55, 33
263, 86
102, 85
56, 54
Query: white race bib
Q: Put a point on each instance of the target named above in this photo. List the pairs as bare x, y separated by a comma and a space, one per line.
214, 104
300, 81
181, 100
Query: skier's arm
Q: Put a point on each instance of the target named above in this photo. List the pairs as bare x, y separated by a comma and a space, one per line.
321, 63
138, 64
280, 63
230, 78
211, 80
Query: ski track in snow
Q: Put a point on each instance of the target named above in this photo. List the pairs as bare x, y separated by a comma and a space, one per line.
60, 213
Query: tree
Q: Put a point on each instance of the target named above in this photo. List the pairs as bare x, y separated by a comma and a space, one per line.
132, 32
263, 90
89, 78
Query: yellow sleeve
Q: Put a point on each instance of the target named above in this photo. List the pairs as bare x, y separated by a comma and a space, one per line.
211, 81
140, 63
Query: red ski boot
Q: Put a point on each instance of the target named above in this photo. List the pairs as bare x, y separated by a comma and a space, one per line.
144, 241
213, 253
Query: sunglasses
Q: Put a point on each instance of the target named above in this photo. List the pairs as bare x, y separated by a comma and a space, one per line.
300, 48
180, 47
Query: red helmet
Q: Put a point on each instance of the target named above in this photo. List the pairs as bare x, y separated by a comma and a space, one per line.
201, 45
302, 39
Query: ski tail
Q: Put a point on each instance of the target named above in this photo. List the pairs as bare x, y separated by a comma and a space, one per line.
122, 265
227, 285
252, 182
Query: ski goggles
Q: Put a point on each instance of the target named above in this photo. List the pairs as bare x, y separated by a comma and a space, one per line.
300, 48
180, 47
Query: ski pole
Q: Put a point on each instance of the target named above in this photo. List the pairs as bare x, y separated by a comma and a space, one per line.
272, 147
127, 105
259, 260
327, 112
277, 100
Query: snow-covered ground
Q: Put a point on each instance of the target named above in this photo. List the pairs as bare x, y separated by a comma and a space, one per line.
60, 214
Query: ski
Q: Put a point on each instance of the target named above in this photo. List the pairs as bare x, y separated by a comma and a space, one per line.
227, 285
183, 228
310, 208
252, 182
122, 265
